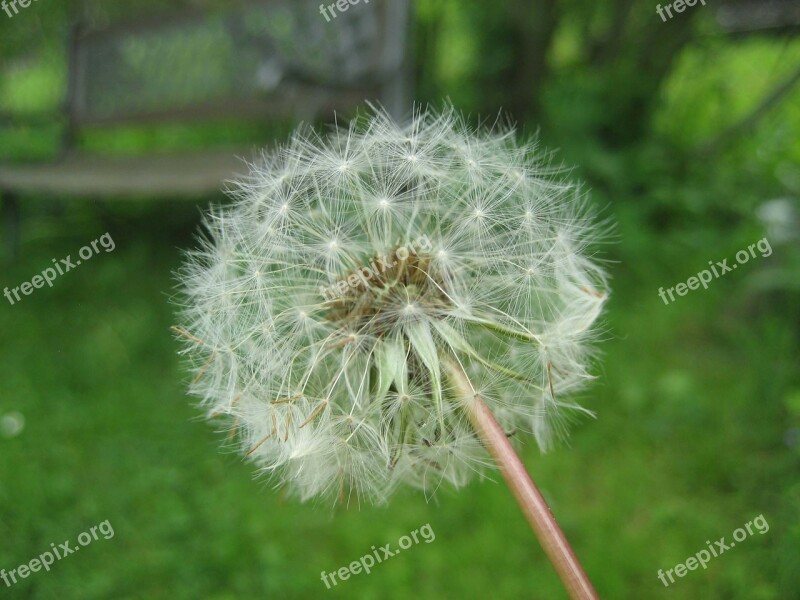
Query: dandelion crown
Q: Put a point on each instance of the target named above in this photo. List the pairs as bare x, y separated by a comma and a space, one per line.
325, 309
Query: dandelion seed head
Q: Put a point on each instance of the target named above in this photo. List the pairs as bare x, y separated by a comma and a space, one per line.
320, 307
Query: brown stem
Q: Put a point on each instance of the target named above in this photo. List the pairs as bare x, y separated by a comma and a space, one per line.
528, 496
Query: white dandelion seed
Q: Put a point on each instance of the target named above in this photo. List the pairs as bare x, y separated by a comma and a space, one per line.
328, 335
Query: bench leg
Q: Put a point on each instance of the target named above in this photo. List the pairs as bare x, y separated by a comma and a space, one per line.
11, 218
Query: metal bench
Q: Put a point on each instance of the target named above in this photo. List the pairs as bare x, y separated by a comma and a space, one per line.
265, 60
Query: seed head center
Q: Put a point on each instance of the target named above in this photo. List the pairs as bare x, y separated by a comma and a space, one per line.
387, 289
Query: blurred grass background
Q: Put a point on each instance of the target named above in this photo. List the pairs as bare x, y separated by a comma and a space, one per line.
698, 402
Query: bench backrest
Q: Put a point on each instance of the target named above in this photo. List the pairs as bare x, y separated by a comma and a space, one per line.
266, 58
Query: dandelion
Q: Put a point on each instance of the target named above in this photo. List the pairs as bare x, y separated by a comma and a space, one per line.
383, 304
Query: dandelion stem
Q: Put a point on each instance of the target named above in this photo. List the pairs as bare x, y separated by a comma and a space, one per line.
528, 496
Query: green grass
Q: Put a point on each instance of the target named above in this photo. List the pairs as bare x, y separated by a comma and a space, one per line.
693, 400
